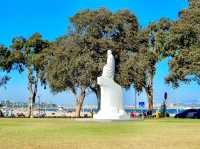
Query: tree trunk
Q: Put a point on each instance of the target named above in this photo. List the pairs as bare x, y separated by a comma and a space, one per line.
35, 88
30, 89
32, 92
97, 91
149, 91
98, 94
79, 102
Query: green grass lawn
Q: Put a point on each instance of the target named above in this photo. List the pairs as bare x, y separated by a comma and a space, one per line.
72, 134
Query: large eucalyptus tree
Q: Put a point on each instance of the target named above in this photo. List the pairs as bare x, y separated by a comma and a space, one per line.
68, 69
153, 42
29, 54
185, 42
154, 39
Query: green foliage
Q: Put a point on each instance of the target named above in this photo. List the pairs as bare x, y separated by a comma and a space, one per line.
78, 58
134, 72
185, 42
29, 53
66, 67
5, 64
152, 44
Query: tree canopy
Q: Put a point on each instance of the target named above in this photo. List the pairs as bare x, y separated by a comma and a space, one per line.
185, 42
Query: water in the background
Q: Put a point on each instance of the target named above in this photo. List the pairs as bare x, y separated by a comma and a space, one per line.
170, 111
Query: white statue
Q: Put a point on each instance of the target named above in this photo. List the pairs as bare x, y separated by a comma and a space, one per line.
111, 93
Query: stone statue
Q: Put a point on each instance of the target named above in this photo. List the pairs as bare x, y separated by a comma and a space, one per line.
111, 93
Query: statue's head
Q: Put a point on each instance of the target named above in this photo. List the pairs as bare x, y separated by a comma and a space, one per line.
109, 52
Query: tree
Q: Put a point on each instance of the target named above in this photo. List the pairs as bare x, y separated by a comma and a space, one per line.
91, 34
68, 69
185, 45
100, 30
157, 34
152, 41
29, 54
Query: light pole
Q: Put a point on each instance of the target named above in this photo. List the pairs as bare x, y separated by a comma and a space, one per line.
135, 99
39, 103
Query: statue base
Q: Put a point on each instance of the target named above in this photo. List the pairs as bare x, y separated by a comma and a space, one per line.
111, 114
111, 101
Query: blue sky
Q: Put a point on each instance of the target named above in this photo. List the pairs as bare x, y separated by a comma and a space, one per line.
50, 18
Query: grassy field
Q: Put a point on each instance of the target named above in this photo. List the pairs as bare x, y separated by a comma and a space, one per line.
72, 134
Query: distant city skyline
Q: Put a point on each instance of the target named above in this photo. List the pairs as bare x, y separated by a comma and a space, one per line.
51, 18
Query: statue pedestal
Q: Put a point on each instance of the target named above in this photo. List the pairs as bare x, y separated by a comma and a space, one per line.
111, 101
